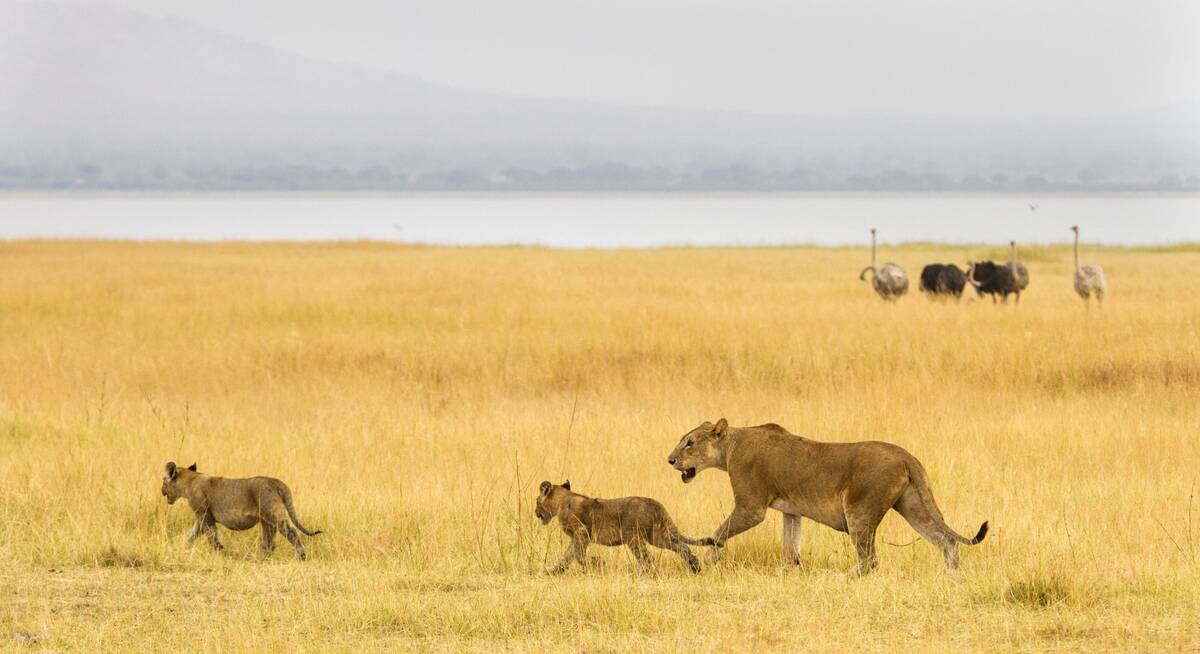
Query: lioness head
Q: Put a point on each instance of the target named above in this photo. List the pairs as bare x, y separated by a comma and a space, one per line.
698, 450
549, 499
171, 488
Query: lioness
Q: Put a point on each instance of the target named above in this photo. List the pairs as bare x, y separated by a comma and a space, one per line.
629, 521
237, 504
847, 486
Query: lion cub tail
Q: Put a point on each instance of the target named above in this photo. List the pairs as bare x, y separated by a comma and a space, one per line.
287, 502
705, 542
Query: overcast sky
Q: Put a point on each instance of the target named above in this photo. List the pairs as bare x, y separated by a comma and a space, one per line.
935, 58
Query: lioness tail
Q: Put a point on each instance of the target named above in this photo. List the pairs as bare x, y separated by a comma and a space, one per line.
916, 474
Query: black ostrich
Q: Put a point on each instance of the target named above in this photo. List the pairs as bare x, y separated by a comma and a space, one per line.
939, 279
991, 278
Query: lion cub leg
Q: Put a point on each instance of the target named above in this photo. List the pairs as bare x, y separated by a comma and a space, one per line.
277, 516
576, 551
210, 530
197, 527
268, 537
681, 548
638, 547
670, 539
294, 539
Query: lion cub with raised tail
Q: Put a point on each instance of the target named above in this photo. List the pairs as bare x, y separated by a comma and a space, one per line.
630, 521
237, 504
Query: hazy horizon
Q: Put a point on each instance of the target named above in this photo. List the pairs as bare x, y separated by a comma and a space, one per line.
449, 96
937, 59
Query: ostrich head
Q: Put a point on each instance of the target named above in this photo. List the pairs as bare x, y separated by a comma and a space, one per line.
971, 274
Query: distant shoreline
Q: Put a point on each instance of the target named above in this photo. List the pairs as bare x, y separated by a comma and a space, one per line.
604, 220
501, 194
908, 246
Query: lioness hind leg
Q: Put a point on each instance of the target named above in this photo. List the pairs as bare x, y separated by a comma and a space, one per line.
864, 546
915, 512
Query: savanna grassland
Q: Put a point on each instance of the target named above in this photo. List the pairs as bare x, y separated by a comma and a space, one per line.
414, 397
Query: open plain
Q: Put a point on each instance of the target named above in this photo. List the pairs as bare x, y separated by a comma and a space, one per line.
414, 397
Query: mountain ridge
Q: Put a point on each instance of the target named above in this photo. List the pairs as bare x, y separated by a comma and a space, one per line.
110, 98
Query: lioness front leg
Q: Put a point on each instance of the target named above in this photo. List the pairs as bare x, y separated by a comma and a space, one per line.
575, 552
743, 517
791, 539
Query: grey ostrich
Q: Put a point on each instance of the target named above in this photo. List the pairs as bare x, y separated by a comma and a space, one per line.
889, 280
1089, 280
1020, 273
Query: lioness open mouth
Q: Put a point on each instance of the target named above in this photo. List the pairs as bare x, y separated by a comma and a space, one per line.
688, 474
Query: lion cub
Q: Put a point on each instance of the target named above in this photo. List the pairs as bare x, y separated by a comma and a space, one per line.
629, 521
236, 503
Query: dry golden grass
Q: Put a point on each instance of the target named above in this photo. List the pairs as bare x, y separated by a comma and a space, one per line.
414, 397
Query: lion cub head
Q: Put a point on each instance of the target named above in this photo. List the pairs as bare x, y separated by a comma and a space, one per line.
550, 499
170, 487
698, 450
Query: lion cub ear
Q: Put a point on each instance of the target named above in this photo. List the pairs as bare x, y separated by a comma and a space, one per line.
546, 486
567, 484
720, 428
171, 470
192, 467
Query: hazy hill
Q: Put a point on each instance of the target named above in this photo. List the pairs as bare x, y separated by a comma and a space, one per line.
97, 96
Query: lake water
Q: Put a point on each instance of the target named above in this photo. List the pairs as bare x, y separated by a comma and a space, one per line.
602, 220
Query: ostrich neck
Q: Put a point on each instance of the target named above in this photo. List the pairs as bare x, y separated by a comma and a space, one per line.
1076, 251
1014, 255
872, 250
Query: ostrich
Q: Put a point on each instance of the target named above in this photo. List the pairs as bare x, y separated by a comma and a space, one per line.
889, 280
1089, 280
942, 280
991, 279
1020, 273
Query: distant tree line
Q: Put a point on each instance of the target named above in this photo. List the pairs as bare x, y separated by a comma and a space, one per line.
595, 177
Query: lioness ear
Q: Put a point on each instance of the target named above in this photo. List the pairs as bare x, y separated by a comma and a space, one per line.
567, 484
192, 467
546, 486
720, 428
171, 470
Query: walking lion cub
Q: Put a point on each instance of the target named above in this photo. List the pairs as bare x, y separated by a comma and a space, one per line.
237, 504
629, 521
